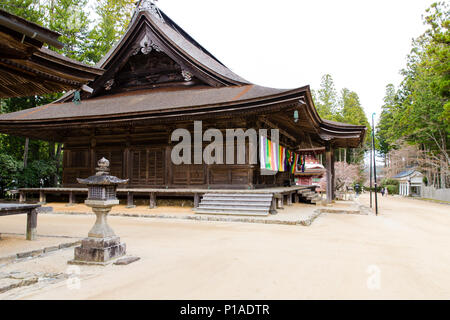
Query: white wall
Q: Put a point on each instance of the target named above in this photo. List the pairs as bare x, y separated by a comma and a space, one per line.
437, 194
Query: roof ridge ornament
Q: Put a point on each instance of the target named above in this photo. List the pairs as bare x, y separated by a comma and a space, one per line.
150, 6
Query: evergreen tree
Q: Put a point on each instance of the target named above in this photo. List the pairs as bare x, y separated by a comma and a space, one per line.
352, 112
70, 19
327, 98
114, 16
32, 10
420, 111
385, 123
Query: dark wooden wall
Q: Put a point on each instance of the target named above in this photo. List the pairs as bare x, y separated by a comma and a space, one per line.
145, 159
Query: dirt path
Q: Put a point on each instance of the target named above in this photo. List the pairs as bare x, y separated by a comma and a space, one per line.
403, 253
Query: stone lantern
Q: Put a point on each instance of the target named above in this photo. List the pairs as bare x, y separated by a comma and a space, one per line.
102, 246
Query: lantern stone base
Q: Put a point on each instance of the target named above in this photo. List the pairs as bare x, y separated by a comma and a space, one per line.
99, 251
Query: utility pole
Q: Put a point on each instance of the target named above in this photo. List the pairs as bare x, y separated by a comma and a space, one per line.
370, 172
374, 164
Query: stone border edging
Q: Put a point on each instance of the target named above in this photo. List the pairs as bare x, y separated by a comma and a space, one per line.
22, 283
305, 222
20, 256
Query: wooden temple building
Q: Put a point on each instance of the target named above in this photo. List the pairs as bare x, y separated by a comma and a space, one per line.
157, 79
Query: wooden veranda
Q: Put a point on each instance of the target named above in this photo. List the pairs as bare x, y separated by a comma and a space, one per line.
281, 195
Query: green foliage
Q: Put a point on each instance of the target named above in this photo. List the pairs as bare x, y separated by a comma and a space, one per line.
386, 122
32, 10
387, 181
114, 18
326, 98
70, 19
419, 111
38, 173
346, 109
84, 40
392, 189
10, 170
352, 111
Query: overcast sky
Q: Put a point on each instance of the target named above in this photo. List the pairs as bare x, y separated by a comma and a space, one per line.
291, 43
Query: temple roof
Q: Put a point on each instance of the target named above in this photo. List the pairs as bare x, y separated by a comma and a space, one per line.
407, 173
144, 102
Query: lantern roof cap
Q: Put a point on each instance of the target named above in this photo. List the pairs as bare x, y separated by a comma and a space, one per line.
102, 176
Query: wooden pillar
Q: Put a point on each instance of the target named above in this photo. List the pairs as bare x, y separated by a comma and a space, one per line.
92, 152
71, 199
196, 200
333, 177
152, 200
280, 200
330, 173
289, 199
31, 224
273, 206
22, 196
42, 198
130, 200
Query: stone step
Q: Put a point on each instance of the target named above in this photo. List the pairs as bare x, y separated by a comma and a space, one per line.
240, 195
235, 203
256, 204
230, 198
233, 207
309, 196
232, 212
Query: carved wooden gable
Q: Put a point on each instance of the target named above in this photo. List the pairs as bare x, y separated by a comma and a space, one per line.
149, 67
143, 63
155, 52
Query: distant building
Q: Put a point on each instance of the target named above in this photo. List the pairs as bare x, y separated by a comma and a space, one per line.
410, 183
311, 173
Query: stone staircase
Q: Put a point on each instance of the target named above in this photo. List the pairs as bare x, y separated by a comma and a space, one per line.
249, 204
309, 196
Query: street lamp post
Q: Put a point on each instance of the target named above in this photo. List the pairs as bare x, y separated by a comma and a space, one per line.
370, 173
374, 164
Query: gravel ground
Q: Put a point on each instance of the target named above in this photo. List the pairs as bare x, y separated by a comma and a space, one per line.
401, 254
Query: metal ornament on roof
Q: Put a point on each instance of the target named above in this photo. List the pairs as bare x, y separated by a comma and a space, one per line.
150, 6
76, 97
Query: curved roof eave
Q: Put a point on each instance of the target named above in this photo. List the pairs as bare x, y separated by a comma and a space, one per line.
235, 105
